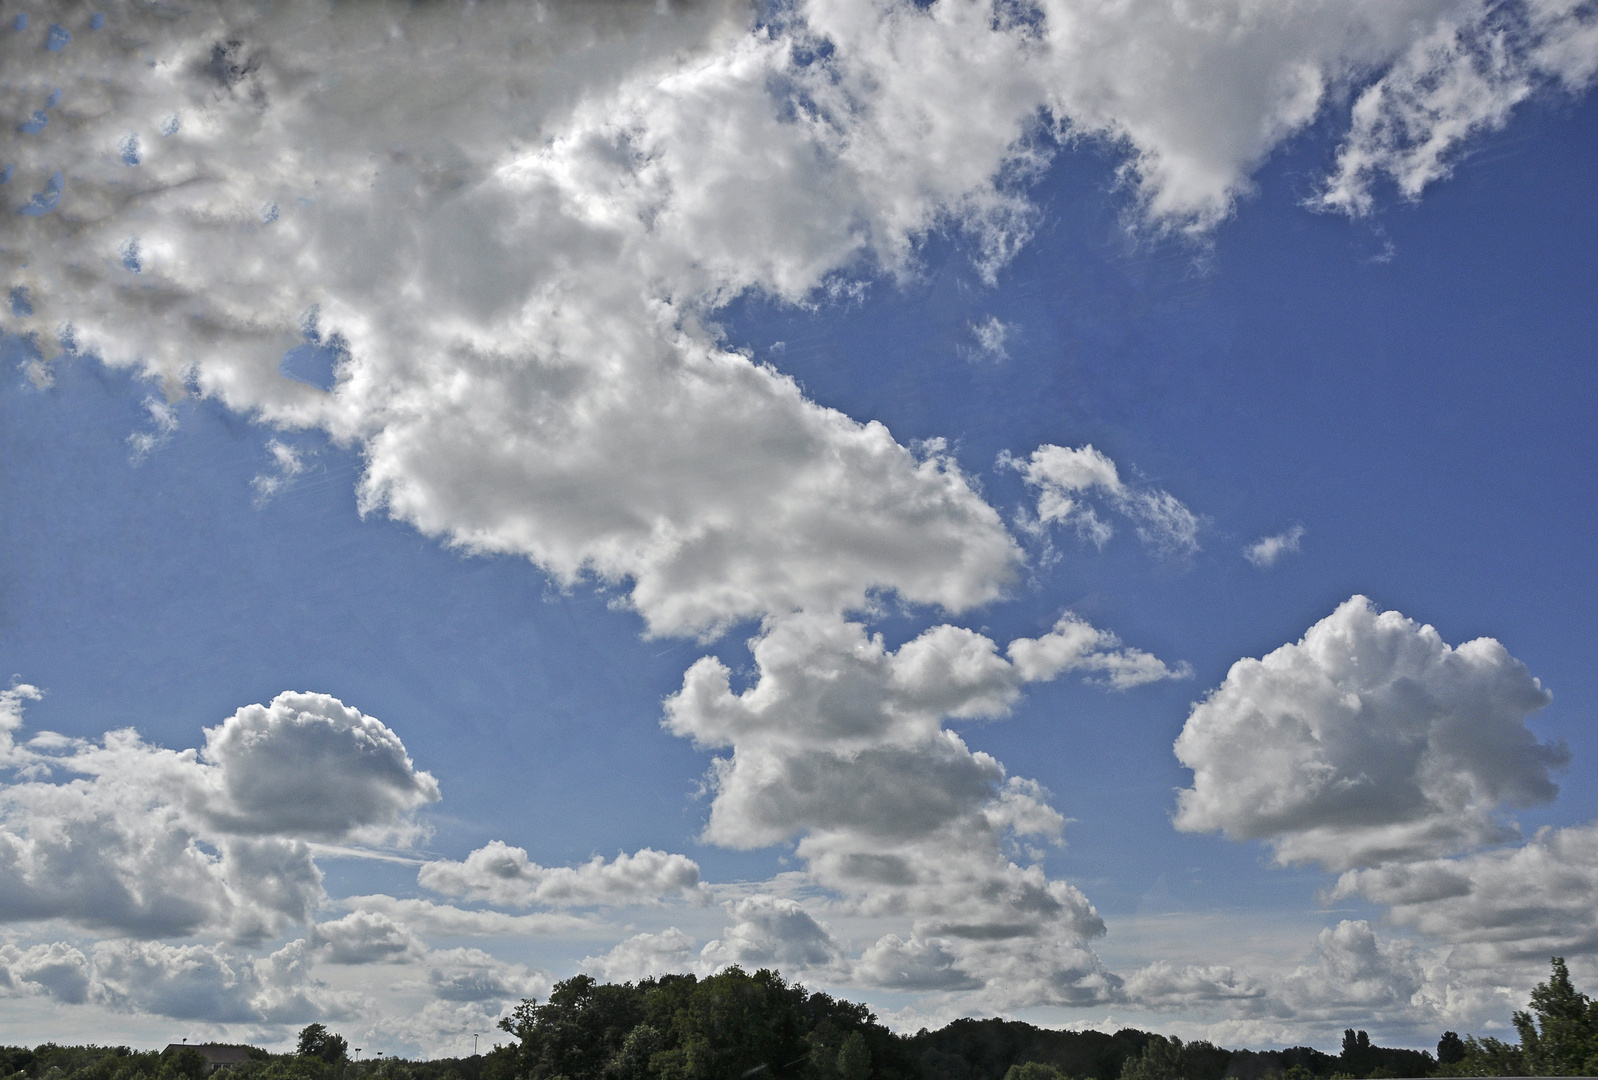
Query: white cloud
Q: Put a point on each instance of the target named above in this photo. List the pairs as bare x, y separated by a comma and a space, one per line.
608, 436
503, 875
1369, 740
365, 937
288, 464
642, 956
1355, 969
614, 177
57, 969
1464, 77
474, 975
519, 271
444, 920
841, 743
1351, 977
1069, 484
158, 843
840, 733
1164, 985
771, 932
990, 337
163, 422
1496, 907
1265, 551
309, 765
190, 982
1075, 645
11, 706
441, 1028
197, 982
894, 963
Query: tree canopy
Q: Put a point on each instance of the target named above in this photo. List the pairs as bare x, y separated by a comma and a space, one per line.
737, 1025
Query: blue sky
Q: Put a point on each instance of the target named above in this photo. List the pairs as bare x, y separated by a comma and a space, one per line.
614, 324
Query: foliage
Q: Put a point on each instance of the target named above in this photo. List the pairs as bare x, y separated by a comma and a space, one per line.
730, 1026
987, 1049
52, 1062
318, 1042
1172, 1059
1486, 1057
1563, 1038
1034, 1070
1361, 1058
737, 1025
1558, 1036
1161, 1059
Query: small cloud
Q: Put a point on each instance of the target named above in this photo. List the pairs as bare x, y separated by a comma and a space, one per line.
501, 874
165, 421
990, 336
1071, 481
771, 931
643, 955
289, 465
1265, 551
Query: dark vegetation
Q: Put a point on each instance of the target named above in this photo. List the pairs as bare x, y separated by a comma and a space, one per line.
741, 1026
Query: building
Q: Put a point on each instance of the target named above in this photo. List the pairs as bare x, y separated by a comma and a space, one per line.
216, 1055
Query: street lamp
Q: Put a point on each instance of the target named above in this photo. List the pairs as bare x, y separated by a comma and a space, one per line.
474, 1044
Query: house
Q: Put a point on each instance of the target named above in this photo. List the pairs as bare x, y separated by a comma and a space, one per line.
216, 1055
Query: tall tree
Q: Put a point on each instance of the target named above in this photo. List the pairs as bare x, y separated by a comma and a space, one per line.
1559, 1035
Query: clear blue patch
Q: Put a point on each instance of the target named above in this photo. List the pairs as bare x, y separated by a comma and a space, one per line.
55, 99
36, 125
130, 255
269, 213
5, 174
45, 201
58, 38
130, 150
22, 21
97, 21
316, 362
21, 305
170, 125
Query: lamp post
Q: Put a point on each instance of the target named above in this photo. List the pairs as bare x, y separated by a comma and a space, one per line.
474, 1044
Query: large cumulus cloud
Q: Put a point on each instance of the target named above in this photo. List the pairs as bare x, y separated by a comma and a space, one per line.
1369, 740
160, 843
841, 744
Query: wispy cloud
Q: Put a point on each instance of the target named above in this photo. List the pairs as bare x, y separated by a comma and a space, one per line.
1074, 485
1265, 551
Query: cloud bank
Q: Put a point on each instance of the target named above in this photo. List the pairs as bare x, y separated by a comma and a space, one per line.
155, 843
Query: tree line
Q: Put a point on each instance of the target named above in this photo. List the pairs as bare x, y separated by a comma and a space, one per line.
737, 1025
